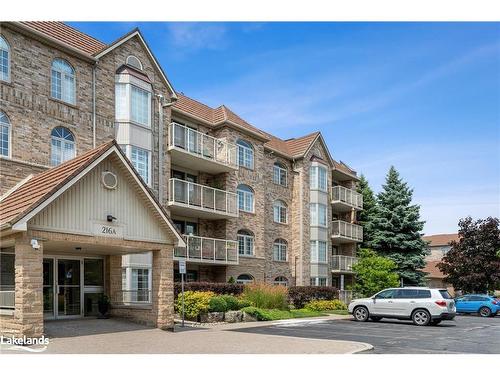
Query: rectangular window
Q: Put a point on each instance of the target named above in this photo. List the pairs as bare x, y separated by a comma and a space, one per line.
245, 244
140, 106
318, 214
245, 157
140, 285
4, 139
121, 102
279, 175
4, 65
280, 214
245, 201
140, 160
318, 281
318, 178
7, 278
318, 252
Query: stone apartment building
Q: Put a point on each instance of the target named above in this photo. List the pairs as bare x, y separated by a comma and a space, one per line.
439, 245
108, 177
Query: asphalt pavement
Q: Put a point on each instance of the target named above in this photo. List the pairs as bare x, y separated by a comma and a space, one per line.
465, 334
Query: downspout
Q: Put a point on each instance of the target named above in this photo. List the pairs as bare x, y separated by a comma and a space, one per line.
161, 105
94, 121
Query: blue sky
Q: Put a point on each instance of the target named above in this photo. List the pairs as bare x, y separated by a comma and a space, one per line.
424, 97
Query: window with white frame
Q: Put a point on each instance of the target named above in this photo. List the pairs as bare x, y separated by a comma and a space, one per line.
63, 81
318, 214
318, 251
245, 154
4, 60
318, 281
140, 106
280, 211
245, 198
7, 278
4, 135
318, 178
62, 146
133, 103
280, 248
281, 280
280, 174
245, 243
244, 279
140, 284
134, 62
140, 160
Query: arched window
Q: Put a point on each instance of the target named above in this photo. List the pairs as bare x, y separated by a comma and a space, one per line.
4, 60
245, 243
134, 62
245, 198
281, 280
63, 145
280, 248
280, 210
4, 135
244, 279
280, 174
63, 81
245, 154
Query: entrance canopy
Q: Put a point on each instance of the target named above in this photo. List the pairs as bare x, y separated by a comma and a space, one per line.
97, 195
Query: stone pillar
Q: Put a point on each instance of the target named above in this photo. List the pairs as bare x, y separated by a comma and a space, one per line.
28, 313
163, 287
114, 265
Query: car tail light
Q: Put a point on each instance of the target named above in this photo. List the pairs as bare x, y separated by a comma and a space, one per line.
495, 302
441, 303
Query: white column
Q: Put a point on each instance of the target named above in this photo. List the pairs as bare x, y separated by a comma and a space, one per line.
341, 282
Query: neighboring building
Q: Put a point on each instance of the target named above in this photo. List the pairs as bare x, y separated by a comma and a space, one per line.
439, 245
233, 200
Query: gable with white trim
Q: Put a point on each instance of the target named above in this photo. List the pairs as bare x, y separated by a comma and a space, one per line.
84, 207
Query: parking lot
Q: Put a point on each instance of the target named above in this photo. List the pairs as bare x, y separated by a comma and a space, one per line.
465, 334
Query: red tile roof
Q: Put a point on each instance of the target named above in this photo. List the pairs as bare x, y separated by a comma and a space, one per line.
432, 270
39, 188
441, 239
68, 35
299, 146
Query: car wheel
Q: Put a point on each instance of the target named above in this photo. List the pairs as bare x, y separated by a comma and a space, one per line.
421, 317
361, 314
435, 322
485, 312
376, 318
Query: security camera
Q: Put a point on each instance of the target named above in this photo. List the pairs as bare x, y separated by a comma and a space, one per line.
34, 244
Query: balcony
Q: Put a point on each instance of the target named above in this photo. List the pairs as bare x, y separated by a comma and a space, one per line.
344, 232
343, 263
195, 200
344, 199
207, 250
192, 149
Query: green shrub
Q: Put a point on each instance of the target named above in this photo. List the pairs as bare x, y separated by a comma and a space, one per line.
322, 305
266, 296
231, 280
217, 304
232, 302
194, 303
243, 303
257, 313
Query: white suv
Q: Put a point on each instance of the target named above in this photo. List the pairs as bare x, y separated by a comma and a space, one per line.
422, 305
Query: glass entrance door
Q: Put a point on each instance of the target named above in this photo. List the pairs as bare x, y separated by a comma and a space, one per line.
68, 288
48, 288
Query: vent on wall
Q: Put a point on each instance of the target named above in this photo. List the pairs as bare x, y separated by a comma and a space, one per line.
109, 180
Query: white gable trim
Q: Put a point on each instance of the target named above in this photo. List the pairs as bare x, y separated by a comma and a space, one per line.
151, 56
21, 225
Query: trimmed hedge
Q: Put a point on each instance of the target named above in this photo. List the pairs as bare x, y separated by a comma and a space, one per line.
217, 288
300, 295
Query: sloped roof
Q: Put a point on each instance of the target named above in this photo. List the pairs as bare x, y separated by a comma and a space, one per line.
31, 195
68, 35
441, 239
432, 270
40, 187
299, 146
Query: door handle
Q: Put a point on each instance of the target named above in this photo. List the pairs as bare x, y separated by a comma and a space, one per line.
412, 301
389, 301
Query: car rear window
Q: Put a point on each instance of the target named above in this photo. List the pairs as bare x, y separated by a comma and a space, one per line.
445, 294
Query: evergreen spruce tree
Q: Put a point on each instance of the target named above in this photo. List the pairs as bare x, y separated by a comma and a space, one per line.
365, 217
397, 227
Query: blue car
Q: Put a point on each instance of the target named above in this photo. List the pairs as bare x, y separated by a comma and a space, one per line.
482, 304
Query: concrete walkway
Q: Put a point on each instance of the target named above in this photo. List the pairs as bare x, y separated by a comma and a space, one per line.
89, 336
